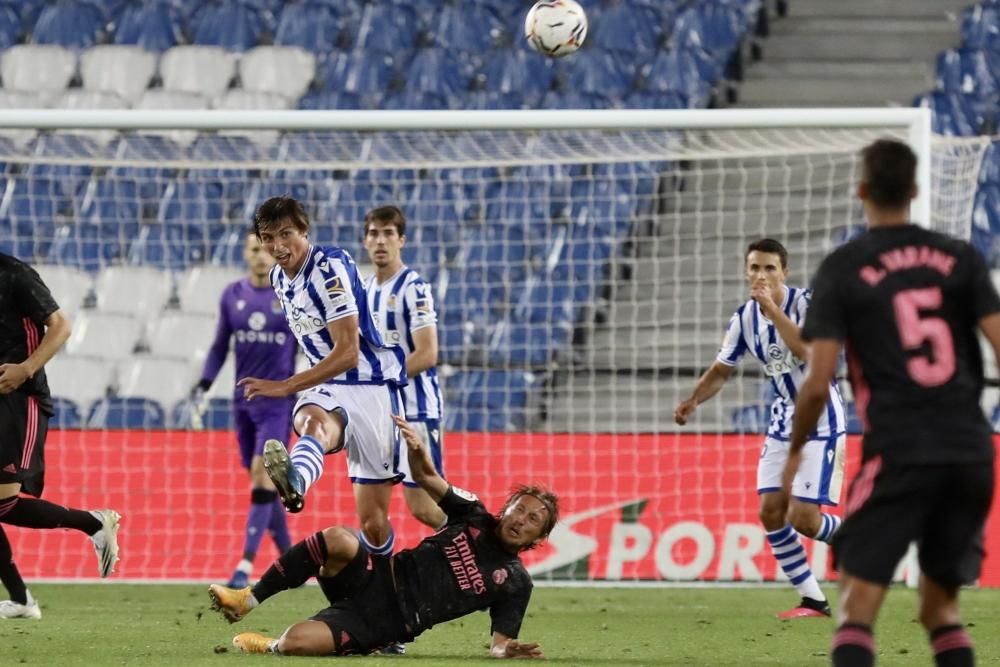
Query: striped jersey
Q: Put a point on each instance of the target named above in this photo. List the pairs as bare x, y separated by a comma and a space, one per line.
401, 305
328, 288
749, 331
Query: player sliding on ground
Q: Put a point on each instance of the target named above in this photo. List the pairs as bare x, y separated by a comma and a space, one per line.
768, 327
471, 564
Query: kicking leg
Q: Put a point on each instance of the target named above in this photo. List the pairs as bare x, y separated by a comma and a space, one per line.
321, 432
372, 502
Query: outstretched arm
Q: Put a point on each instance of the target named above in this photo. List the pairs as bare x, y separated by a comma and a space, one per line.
503, 646
708, 386
421, 465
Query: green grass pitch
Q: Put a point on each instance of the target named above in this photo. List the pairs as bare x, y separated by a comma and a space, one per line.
118, 624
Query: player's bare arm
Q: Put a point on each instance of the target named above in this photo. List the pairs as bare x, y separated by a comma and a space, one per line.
57, 330
990, 326
708, 386
425, 351
421, 467
343, 358
813, 396
503, 646
790, 333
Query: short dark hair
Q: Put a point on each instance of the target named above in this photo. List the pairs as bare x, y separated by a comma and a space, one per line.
386, 215
889, 170
769, 246
277, 209
542, 495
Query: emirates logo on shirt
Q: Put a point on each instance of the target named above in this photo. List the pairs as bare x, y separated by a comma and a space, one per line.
499, 576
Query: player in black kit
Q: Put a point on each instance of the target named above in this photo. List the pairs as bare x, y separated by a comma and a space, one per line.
471, 564
907, 302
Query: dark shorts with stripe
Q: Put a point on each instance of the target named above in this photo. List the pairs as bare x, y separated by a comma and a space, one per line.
23, 427
364, 613
941, 507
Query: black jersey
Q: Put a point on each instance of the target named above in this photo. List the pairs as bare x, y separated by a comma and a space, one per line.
907, 302
25, 304
461, 569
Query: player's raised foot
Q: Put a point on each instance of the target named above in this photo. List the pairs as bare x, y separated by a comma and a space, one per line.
808, 608
254, 642
106, 540
286, 478
393, 649
232, 603
30, 610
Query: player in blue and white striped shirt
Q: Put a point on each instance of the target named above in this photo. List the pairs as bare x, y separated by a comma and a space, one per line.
768, 328
350, 391
402, 306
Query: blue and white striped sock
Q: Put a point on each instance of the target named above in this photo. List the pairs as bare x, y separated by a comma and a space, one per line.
383, 550
307, 459
829, 523
791, 555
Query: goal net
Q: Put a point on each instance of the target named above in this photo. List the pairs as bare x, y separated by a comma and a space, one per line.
583, 266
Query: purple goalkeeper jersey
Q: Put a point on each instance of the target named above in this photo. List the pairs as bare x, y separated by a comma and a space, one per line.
263, 346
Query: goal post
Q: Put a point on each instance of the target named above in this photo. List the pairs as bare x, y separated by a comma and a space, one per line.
583, 264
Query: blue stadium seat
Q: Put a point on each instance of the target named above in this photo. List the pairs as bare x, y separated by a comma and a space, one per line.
129, 413
116, 199
66, 414
70, 23
27, 10
954, 114
10, 26
488, 400
575, 100
485, 100
411, 99
388, 28
92, 246
335, 99
218, 415
517, 71
359, 72
315, 28
528, 345
688, 72
234, 27
640, 99
989, 172
468, 27
187, 200
438, 71
595, 71
155, 26
981, 27
175, 246
712, 26
631, 29
967, 71
986, 223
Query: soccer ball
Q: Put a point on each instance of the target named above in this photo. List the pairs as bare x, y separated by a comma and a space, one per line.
556, 28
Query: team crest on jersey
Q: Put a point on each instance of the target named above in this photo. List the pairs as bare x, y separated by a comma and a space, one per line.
775, 352
257, 320
499, 576
465, 495
391, 302
241, 304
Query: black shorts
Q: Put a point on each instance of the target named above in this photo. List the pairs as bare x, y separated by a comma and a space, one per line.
23, 427
364, 613
941, 507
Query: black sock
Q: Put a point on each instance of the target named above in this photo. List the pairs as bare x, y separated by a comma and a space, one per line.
853, 646
952, 647
294, 568
9, 576
37, 513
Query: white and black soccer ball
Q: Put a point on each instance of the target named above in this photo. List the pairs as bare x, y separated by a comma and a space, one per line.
556, 28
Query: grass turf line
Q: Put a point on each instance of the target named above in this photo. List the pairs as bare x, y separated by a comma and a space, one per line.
149, 625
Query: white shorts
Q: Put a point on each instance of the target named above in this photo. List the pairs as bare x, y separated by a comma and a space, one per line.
430, 434
820, 476
371, 439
